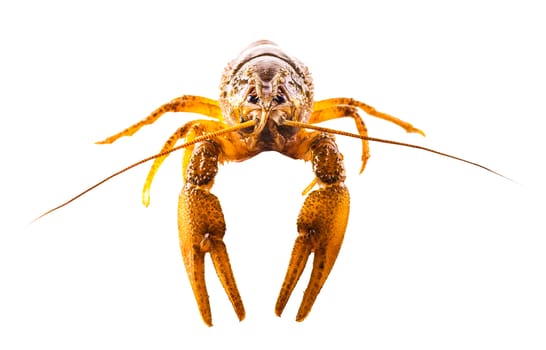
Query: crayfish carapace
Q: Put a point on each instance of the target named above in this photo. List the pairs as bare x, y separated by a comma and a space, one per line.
266, 104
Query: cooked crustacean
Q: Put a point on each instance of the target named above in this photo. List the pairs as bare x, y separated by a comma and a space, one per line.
266, 104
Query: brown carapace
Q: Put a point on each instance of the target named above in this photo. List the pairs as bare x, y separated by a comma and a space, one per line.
266, 104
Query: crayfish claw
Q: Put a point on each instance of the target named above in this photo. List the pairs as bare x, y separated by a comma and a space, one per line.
321, 227
201, 230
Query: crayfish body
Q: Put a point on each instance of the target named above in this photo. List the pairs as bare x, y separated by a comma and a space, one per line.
265, 104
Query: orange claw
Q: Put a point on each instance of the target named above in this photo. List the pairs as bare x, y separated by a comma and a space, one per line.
201, 230
321, 226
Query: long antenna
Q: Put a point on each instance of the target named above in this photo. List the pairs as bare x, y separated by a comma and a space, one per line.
375, 139
184, 145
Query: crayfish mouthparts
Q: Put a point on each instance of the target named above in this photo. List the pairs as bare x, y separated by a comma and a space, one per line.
268, 136
270, 95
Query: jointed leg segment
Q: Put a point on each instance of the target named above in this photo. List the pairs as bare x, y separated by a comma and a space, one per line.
340, 111
321, 227
201, 228
344, 101
186, 103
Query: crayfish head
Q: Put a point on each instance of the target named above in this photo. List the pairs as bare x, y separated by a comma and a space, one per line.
266, 85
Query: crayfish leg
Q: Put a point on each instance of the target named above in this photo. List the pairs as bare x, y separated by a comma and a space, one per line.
344, 101
201, 227
321, 227
186, 103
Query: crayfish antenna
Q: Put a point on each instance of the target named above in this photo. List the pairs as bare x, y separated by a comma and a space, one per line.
375, 139
161, 154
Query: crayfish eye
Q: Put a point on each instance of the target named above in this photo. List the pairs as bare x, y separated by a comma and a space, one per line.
252, 98
279, 99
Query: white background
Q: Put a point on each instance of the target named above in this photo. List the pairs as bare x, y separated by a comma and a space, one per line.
437, 255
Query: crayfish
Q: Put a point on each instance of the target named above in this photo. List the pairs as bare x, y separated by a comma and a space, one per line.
265, 104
